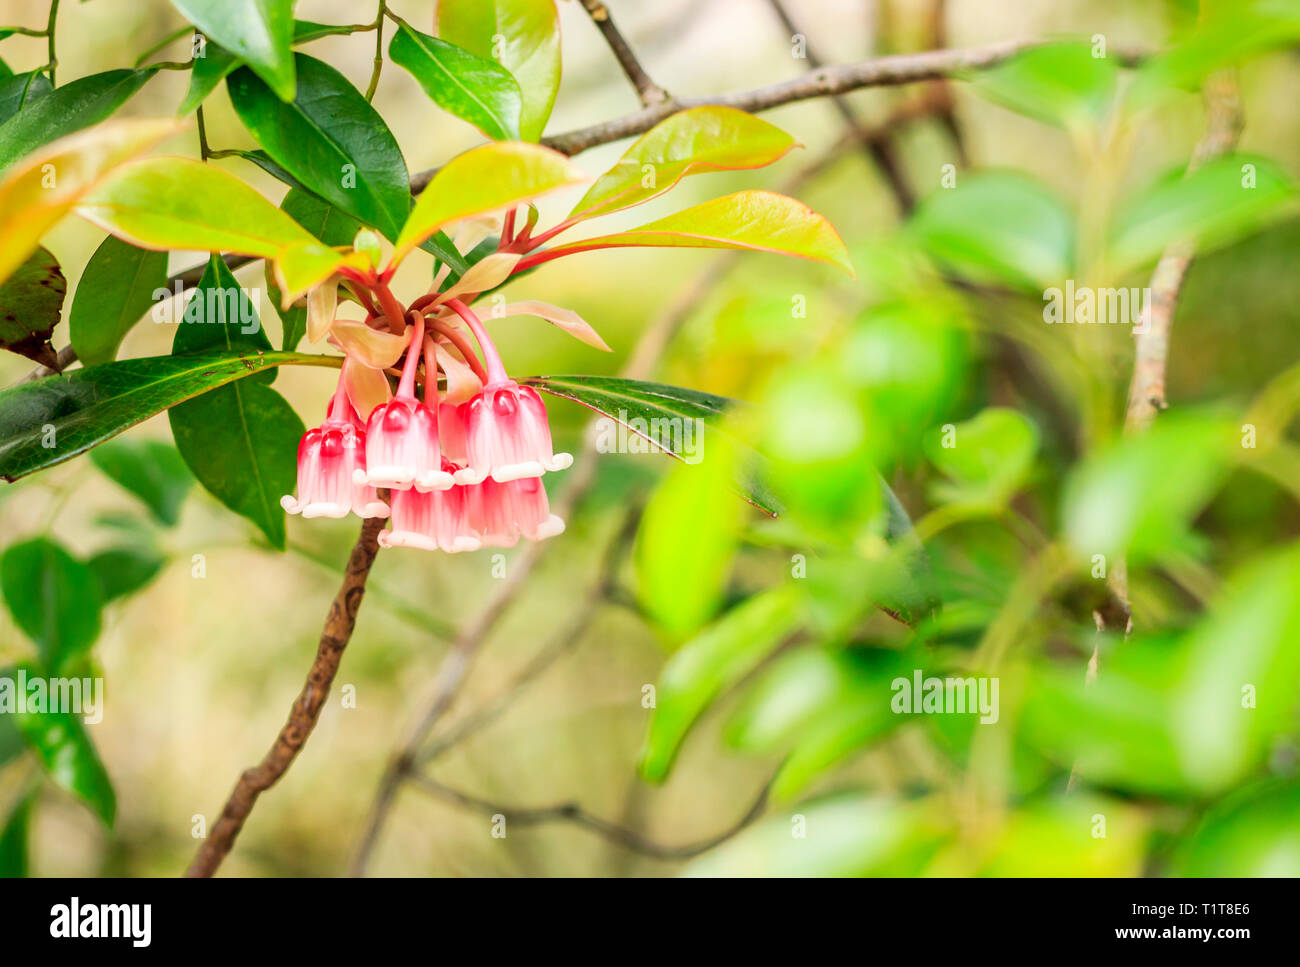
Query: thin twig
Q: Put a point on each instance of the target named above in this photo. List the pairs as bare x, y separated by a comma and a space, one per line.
1151, 341
306, 708
379, 51
571, 812
879, 149
647, 90
876, 72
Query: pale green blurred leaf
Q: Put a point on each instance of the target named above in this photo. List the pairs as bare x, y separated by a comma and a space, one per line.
998, 227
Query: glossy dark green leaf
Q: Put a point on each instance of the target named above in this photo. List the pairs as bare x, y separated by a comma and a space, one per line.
259, 32
53, 597
30, 303
662, 413
19, 90
217, 62
208, 71
124, 570
473, 88
331, 140
13, 839
220, 315
327, 223
85, 101
241, 441
47, 421
60, 742
151, 470
116, 290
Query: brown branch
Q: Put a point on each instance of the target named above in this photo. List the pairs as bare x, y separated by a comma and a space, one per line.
647, 90
878, 145
571, 812
888, 71
1151, 349
305, 710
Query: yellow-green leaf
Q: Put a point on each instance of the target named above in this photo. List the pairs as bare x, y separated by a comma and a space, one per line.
711, 138
760, 220
43, 187
523, 36
179, 203
482, 181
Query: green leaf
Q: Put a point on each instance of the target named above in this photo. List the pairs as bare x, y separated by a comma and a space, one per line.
220, 315
208, 71
473, 88
1216, 204
986, 458
1230, 33
998, 227
70, 759
82, 408
19, 90
331, 140
762, 221
845, 836
1058, 837
53, 597
687, 541
1139, 494
30, 206
484, 180
331, 226
124, 570
30, 303
1192, 715
241, 441
13, 839
699, 139
724, 652
855, 715
80, 104
217, 62
526, 33
151, 470
1060, 83
178, 203
117, 288
1251, 833
663, 415
259, 32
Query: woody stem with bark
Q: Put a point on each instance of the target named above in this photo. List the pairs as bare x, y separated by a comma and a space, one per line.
305, 711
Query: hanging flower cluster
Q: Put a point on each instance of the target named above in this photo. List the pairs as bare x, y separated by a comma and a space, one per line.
453, 451
459, 473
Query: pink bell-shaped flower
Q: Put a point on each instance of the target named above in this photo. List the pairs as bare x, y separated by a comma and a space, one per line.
329, 457
402, 435
507, 435
434, 520
501, 512
402, 447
